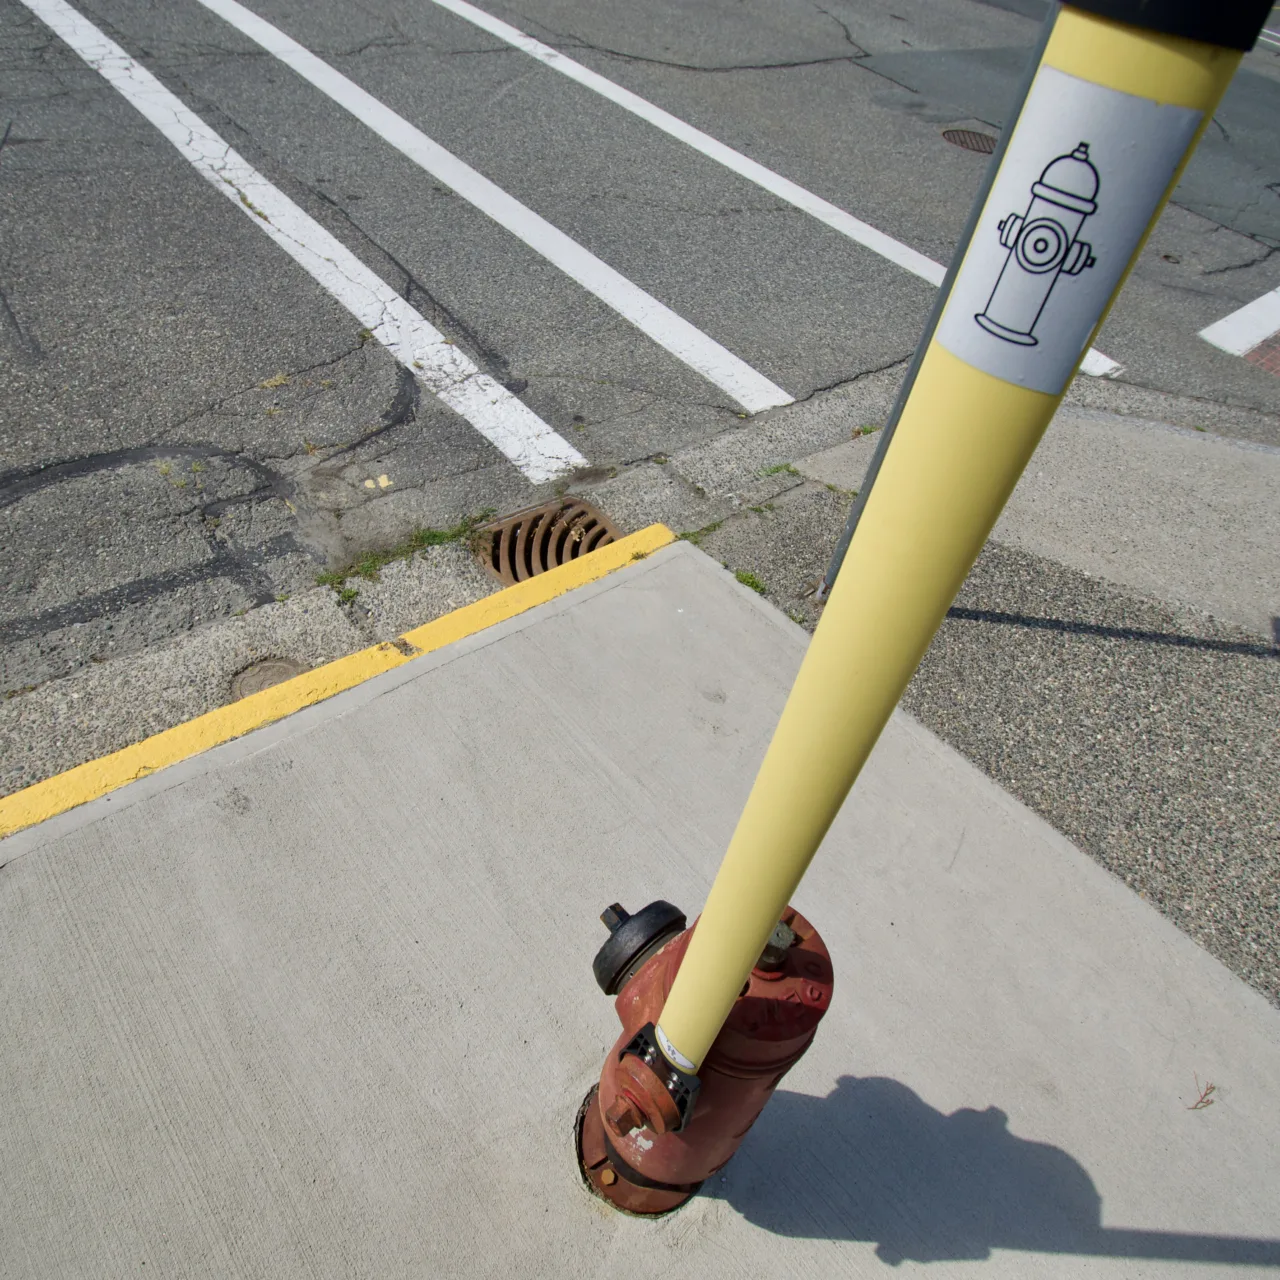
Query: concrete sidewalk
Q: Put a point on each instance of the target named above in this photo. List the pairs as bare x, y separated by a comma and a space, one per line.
318, 1002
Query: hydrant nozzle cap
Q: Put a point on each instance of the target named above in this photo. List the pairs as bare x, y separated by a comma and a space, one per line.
632, 940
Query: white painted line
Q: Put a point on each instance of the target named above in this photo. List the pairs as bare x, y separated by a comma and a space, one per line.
1271, 38
784, 188
1243, 330
1096, 365
441, 368
749, 388
864, 233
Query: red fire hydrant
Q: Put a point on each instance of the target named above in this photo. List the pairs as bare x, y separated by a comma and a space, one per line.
649, 1134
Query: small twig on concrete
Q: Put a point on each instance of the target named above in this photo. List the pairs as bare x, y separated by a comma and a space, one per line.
1206, 1094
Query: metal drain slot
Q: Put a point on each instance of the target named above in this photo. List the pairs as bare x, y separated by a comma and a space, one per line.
523, 545
970, 140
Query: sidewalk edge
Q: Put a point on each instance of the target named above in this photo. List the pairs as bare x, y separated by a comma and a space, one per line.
94, 778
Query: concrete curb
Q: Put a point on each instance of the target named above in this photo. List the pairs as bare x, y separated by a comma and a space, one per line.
96, 778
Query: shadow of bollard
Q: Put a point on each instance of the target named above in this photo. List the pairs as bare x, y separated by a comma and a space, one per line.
873, 1162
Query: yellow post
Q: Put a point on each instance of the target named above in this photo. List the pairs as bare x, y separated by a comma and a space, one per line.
1047, 256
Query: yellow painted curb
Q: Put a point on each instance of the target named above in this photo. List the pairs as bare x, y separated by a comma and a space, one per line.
95, 778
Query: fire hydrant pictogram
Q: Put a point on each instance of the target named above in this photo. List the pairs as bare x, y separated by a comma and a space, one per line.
1042, 247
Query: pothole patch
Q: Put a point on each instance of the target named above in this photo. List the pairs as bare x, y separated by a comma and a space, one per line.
530, 542
263, 674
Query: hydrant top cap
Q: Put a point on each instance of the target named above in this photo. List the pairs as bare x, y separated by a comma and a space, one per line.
1072, 175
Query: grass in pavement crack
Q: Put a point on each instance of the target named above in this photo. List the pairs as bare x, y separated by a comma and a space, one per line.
696, 535
749, 579
370, 565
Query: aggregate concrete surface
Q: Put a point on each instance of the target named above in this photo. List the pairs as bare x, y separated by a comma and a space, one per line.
299, 1007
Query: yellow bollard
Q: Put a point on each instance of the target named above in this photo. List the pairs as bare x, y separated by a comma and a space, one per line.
1046, 259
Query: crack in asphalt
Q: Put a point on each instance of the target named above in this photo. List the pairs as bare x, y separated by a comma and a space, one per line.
482, 352
466, 53
26, 341
721, 70
565, 40
843, 382
848, 35
1242, 266
451, 373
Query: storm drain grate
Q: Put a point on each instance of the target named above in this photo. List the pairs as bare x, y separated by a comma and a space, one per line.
970, 140
533, 541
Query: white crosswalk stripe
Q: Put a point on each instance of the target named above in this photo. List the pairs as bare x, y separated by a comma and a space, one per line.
752, 390
499, 416
1245, 329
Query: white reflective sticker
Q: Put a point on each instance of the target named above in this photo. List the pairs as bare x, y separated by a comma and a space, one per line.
1083, 174
672, 1054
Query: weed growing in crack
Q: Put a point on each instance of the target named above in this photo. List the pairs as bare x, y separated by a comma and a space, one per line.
696, 535
749, 579
780, 469
370, 565
253, 208
869, 430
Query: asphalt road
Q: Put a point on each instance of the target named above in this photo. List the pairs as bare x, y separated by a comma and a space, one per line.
191, 427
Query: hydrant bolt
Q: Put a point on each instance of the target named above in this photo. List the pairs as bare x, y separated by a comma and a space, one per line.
623, 1116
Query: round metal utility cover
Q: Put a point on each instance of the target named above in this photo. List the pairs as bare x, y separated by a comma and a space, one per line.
971, 140
263, 674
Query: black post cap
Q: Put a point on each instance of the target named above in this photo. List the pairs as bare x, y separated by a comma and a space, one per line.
1233, 25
